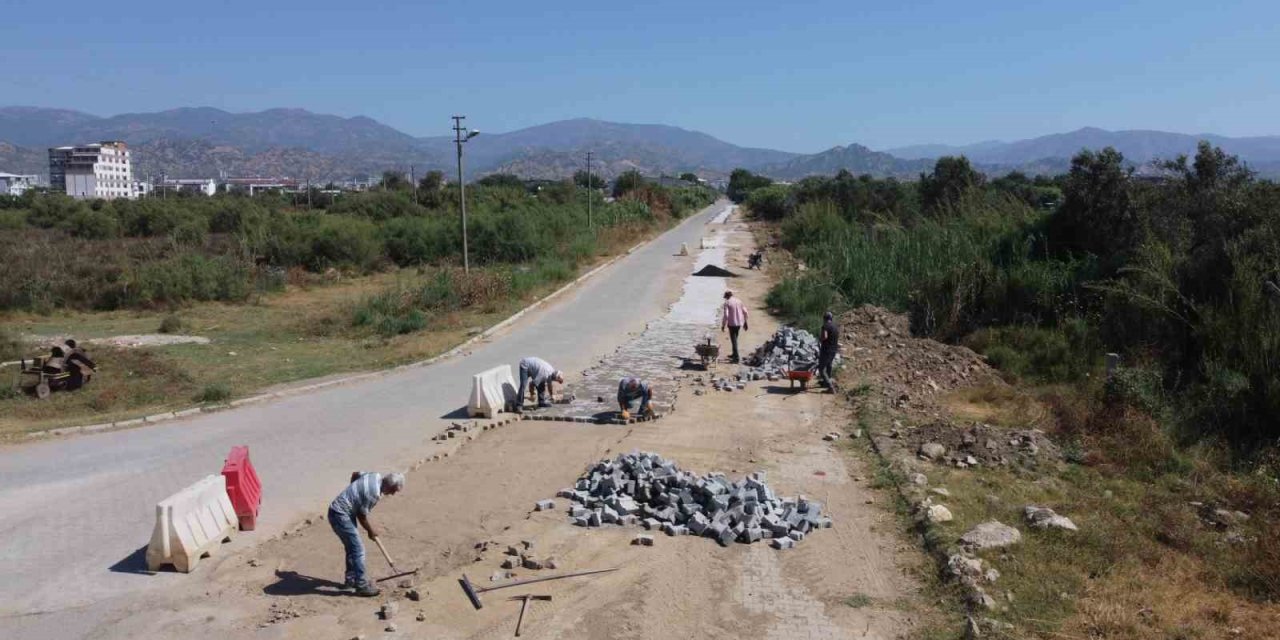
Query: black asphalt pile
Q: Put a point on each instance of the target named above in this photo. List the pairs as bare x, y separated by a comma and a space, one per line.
715, 272
789, 348
646, 489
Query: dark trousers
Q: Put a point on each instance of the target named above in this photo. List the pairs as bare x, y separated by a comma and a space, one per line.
525, 376
733, 339
826, 359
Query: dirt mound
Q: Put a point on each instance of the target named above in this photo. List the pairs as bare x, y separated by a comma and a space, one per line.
715, 272
978, 444
910, 372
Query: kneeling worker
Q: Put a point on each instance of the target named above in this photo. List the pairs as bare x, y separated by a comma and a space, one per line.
634, 392
351, 506
538, 374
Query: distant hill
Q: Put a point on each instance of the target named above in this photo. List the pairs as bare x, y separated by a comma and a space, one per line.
1138, 146
200, 141
203, 141
855, 158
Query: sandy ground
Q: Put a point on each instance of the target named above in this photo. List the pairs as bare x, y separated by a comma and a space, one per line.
850, 581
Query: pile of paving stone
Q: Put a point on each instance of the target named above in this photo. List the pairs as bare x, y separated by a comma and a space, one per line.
646, 489
788, 348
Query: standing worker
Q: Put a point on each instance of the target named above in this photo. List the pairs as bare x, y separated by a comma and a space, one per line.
829, 347
735, 319
631, 390
351, 506
538, 373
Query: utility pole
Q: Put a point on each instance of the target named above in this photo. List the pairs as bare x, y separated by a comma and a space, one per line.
589, 225
461, 135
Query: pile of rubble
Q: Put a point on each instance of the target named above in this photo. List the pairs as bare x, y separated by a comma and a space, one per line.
789, 347
910, 372
979, 444
648, 490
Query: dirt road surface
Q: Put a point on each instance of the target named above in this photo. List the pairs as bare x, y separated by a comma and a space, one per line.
459, 513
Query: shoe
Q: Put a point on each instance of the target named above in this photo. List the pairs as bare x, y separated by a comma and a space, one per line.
367, 591
544, 405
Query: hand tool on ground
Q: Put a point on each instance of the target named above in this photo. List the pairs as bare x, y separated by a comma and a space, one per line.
473, 593
524, 602
396, 573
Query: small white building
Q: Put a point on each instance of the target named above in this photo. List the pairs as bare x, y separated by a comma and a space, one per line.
206, 186
13, 184
101, 170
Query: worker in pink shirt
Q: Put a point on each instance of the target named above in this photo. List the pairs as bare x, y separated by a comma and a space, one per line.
735, 319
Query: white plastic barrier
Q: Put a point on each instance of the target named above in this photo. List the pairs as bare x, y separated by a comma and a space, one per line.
491, 390
190, 524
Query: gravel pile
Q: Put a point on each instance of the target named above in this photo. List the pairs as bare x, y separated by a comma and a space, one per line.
646, 489
788, 348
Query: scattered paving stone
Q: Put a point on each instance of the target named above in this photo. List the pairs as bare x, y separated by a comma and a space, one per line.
550, 563
422, 617
831, 437
391, 628
413, 595
531, 563
649, 488
1045, 518
991, 535
545, 505
643, 540
389, 610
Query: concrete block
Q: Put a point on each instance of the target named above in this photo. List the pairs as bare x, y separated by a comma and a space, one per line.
566, 493
643, 540
191, 524
679, 530
594, 518
582, 521
796, 535
651, 523
545, 505
577, 510
491, 390
726, 536
782, 543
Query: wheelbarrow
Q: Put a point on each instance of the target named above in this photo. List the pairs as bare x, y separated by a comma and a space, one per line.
708, 352
802, 373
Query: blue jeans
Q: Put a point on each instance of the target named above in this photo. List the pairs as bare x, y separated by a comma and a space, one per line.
345, 526
525, 376
643, 397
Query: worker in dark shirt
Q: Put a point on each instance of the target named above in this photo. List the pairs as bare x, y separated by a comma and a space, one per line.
79, 365
829, 347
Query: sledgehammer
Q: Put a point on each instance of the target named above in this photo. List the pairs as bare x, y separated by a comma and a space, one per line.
473, 593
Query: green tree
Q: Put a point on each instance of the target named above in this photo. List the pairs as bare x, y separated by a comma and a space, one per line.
741, 182
501, 180
952, 178
395, 181
580, 179
1097, 215
689, 177
627, 182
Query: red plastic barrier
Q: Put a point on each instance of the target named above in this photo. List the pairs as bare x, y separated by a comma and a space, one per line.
243, 487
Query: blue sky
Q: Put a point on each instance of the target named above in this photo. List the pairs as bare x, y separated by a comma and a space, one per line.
793, 76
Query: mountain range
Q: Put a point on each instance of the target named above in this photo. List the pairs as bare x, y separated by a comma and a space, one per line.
206, 142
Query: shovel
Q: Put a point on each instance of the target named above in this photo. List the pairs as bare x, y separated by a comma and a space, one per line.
396, 573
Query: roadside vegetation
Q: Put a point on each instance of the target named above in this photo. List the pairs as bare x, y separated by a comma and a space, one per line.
1172, 462
286, 292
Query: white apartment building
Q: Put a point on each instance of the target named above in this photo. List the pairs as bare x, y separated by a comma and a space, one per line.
205, 186
12, 184
102, 170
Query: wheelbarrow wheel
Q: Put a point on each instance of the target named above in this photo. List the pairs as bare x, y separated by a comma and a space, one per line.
42, 390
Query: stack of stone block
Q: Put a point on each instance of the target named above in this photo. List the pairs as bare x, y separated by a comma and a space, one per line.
789, 347
642, 488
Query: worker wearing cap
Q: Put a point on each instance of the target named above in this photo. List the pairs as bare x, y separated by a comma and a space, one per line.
539, 374
735, 319
351, 506
637, 393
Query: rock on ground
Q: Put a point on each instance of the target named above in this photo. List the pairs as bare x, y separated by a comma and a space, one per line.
992, 534
1046, 518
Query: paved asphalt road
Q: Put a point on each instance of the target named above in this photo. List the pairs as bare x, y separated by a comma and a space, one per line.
77, 510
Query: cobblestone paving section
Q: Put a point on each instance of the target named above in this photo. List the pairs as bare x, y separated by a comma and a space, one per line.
657, 355
796, 615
